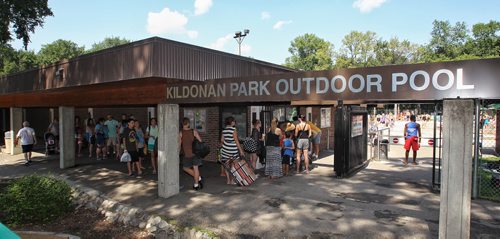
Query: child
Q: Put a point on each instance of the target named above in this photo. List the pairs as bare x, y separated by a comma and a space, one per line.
288, 147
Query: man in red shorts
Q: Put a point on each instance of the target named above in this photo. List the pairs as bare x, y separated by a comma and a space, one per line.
413, 136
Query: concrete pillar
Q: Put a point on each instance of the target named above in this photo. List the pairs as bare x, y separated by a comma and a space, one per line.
66, 137
454, 217
16, 123
168, 150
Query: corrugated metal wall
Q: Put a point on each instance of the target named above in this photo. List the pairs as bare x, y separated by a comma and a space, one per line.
153, 57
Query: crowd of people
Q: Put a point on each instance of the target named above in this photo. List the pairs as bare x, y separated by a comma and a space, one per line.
277, 147
284, 143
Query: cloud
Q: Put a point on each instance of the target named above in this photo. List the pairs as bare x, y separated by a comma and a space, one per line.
366, 6
169, 22
245, 49
278, 25
221, 42
265, 15
202, 6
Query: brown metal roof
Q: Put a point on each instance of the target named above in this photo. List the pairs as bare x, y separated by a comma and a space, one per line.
152, 57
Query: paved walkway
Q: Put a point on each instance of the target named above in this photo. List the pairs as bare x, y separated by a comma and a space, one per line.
385, 200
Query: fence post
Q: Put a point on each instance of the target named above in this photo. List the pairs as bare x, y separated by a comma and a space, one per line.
475, 177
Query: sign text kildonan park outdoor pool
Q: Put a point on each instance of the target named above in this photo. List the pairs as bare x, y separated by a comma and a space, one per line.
434, 81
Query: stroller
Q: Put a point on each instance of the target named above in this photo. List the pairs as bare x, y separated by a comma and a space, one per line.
50, 143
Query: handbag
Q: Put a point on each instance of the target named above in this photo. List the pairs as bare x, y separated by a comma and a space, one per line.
125, 157
250, 145
200, 149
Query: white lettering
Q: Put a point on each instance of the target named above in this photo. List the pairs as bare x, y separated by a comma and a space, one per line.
170, 92
185, 91
263, 87
460, 81
221, 90
426, 80
342, 81
211, 91
361, 83
234, 88
296, 90
435, 78
396, 82
243, 90
194, 88
308, 81
253, 87
283, 82
318, 85
370, 82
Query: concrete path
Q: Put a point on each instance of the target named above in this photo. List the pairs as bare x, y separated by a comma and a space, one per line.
385, 200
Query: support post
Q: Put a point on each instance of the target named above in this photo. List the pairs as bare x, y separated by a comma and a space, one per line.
454, 216
66, 137
16, 122
168, 150
475, 178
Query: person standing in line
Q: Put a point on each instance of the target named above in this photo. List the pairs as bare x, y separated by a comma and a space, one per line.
54, 129
28, 139
316, 139
190, 162
273, 151
413, 137
302, 134
152, 136
257, 136
140, 142
288, 147
100, 136
113, 126
90, 134
78, 136
130, 141
231, 147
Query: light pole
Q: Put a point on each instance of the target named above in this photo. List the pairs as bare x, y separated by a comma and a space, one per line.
239, 38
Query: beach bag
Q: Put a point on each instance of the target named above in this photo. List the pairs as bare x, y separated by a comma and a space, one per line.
250, 145
200, 149
125, 157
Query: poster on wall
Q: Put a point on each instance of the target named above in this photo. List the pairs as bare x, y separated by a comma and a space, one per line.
198, 118
326, 114
356, 126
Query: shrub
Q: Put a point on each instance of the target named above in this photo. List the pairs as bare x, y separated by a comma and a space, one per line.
35, 198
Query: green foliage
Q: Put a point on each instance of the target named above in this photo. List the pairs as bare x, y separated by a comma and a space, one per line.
486, 42
35, 198
59, 50
23, 16
108, 42
310, 52
12, 61
447, 41
395, 52
358, 50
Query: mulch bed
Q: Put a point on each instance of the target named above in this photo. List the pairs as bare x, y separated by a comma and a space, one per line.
87, 223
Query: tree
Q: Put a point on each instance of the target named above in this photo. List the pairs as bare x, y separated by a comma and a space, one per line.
23, 16
310, 52
59, 50
358, 50
486, 40
395, 52
108, 42
12, 61
447, 41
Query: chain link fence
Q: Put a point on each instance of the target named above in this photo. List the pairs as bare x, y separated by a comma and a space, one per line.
489, 161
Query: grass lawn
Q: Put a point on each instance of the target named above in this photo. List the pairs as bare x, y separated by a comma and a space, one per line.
488, 188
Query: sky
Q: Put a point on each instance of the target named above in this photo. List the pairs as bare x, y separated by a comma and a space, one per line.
273, 24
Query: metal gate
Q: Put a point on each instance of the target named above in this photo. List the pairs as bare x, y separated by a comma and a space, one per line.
487, 169
437, 152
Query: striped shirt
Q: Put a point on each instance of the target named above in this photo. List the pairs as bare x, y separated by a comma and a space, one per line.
229, 147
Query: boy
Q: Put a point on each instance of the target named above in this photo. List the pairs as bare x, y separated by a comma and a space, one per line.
288, 147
